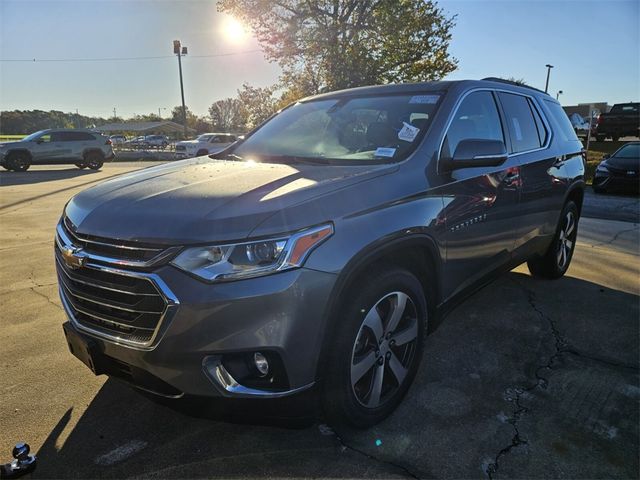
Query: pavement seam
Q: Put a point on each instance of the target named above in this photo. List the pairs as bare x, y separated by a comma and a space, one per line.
616, 236
397, 466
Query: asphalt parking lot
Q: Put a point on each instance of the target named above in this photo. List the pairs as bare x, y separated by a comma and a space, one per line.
526, 379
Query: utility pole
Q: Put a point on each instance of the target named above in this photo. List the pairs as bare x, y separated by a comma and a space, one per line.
179, 50
546, 86
159, 111
114, 113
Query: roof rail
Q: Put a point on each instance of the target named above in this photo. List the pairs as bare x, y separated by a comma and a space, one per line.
511, 82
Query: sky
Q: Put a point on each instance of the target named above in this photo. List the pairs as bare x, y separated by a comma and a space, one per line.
593, 45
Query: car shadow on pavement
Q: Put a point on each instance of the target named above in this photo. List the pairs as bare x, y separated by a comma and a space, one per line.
526, 378
38, 176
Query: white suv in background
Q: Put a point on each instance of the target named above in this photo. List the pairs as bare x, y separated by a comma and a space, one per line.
205, 144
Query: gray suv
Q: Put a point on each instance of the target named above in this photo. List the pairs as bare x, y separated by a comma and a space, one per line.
319, 251
84, 148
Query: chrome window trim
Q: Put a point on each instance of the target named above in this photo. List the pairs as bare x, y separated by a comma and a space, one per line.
459, 101
63, 240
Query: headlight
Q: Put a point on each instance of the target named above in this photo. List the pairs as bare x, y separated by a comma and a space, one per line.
251, 259
602, 168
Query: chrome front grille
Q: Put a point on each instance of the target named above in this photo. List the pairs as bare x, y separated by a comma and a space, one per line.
127, 307
114, 251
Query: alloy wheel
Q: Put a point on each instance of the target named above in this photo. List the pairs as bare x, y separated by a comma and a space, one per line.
384, 350
566, 240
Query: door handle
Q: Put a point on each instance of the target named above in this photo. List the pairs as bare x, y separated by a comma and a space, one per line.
559, 161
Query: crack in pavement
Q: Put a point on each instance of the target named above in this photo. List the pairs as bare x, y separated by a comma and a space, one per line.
616, 236
395, 465
515, 395
46, 297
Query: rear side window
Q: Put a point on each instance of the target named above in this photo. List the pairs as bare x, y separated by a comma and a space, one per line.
562, 121
625, 108
73, 137
520, 122
476, 118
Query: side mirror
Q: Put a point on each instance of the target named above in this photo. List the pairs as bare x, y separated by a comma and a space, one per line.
475, 152
39, 141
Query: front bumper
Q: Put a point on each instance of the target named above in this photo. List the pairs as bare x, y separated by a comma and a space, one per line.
281, 313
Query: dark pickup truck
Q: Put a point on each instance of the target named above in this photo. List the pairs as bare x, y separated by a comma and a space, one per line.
623, 120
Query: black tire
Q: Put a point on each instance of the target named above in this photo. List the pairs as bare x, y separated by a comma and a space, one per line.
202, 153
615, 138
5, 167
600, 138
94, 160
352, 339
555, 262
81, 165
18, 161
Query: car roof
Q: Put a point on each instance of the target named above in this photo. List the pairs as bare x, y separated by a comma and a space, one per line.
86, 130
441, 86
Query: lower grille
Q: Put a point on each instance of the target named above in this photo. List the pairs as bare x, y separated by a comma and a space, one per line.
124, 306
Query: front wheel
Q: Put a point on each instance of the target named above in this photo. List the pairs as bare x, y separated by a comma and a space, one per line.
93, 160
18, 162
557, 259
376, 348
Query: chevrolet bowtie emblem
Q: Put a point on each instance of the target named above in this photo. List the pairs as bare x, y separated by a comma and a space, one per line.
73, 257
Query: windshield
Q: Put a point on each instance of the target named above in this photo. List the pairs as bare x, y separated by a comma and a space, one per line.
629, 151
33, 136
344, 130
204, 138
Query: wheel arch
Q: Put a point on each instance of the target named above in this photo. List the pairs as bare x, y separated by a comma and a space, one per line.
13, 151
418, 253
576, 194
87, 151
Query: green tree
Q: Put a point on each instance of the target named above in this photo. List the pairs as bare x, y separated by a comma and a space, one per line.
333, 44
227, 115
257, 104
176, 116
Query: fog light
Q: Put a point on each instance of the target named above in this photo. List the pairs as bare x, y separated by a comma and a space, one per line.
261, 363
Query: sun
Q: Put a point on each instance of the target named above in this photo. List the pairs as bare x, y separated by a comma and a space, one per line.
234, 31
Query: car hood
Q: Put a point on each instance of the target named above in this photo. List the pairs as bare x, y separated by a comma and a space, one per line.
623, 163
203, 200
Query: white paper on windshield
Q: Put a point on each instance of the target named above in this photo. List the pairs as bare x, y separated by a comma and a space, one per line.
408, 132
430, 99
385, 152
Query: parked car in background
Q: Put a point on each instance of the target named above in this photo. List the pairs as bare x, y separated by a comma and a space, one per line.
156, 141
580, 124
205, 144
84, 148
323, 248
620, 170
135, 142
623, 120
118, 139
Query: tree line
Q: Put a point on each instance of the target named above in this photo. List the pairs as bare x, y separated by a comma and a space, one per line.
320, 46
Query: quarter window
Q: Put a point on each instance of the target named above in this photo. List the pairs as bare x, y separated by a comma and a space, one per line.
476, 118
521, 122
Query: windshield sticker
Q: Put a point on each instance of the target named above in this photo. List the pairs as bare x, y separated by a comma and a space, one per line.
408, 132
430, 99
385, 152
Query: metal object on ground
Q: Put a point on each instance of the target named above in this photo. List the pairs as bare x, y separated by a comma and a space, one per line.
22, 464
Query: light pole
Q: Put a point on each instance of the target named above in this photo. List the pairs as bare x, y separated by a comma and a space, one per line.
159, 113
179, 50
546, 86
560, 92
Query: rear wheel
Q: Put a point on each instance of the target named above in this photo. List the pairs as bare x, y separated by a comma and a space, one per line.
93, 160
376, 348
18, 161
557, 259
615, 138
81, 165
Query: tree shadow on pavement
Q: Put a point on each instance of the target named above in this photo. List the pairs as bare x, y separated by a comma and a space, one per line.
459, 419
